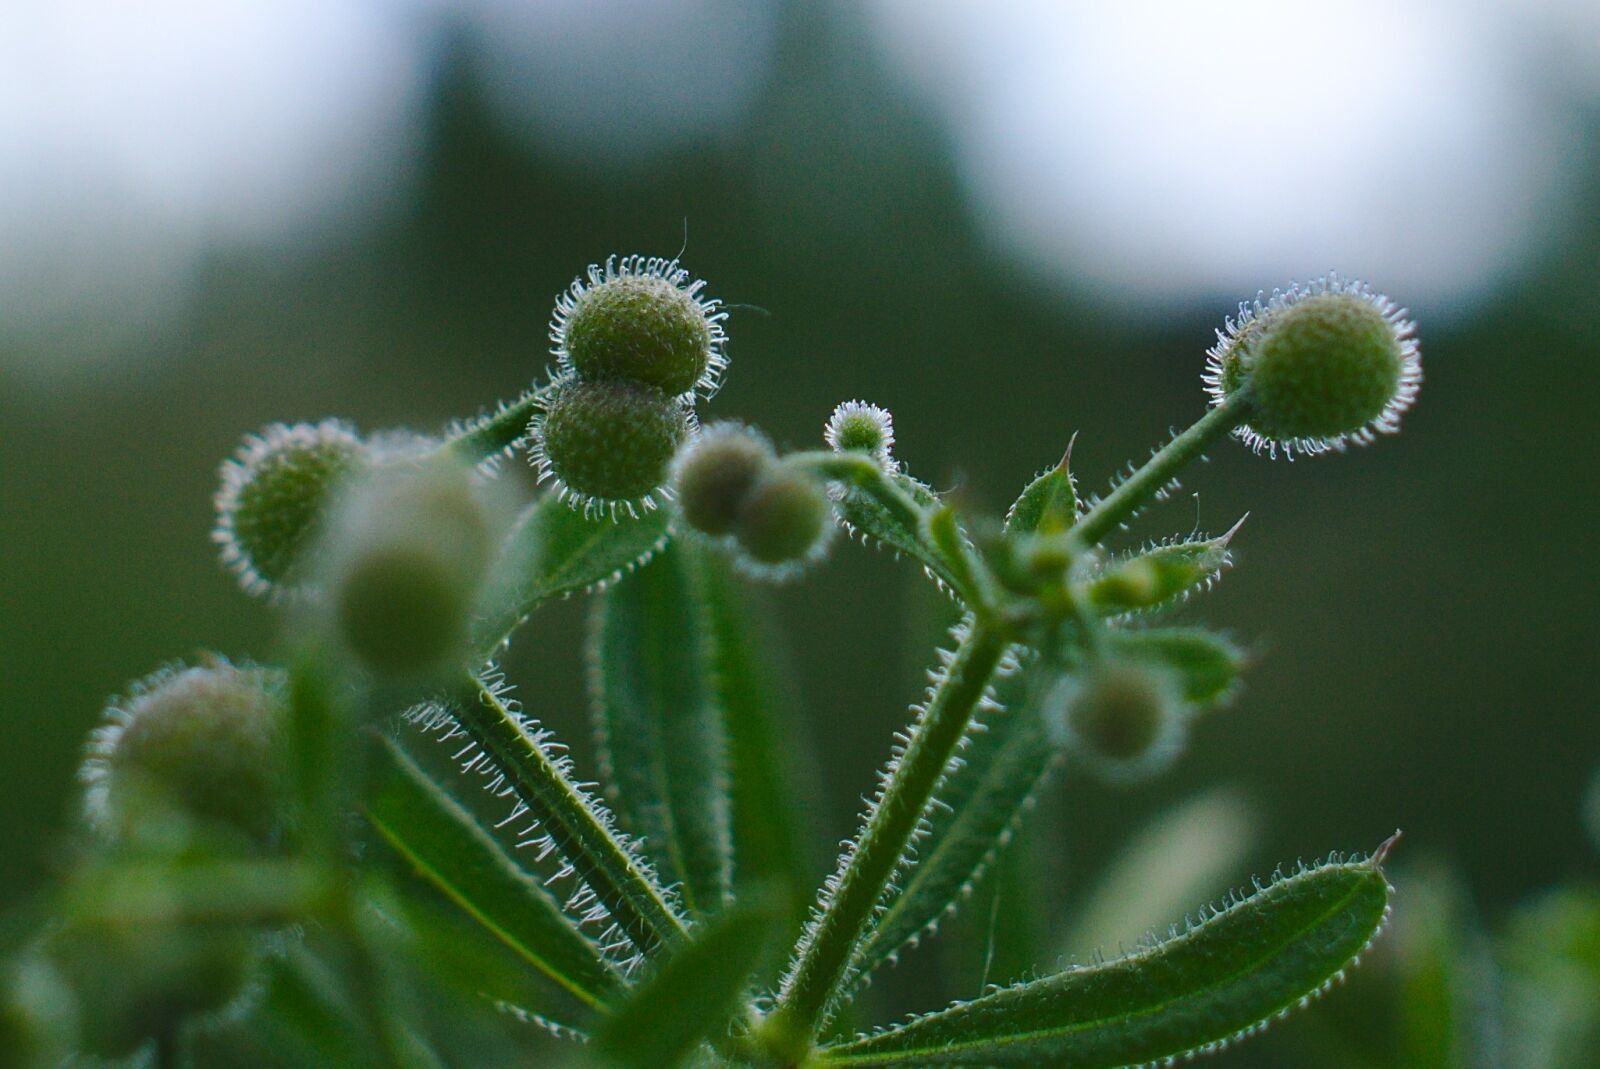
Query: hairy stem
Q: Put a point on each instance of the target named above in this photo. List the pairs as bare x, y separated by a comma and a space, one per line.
597, 856
1136, 490
496, 433
838, 933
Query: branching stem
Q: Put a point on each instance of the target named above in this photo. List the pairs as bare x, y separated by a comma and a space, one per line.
1136, 490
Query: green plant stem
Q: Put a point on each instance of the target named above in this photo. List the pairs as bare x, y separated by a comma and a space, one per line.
1136, 490
493, 434
585, 840
818, 975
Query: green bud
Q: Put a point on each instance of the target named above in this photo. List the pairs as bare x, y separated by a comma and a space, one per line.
1327, 364
715, 471
197, 744
134, 983
784, 524
642, 320
608, 446
1160, 575
1125, 719
276, 492
859, 427
405, 565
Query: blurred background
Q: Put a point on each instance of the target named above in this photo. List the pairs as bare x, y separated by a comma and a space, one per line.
1007, 221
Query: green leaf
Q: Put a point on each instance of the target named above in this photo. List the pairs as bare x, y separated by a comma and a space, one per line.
868, 519
1222, 979
760, 712
1005, 765
452, 851
1048, 504
1551, 951
1206, 662
690, 997
1449, 1017
1159, 576
554, 551
663, 749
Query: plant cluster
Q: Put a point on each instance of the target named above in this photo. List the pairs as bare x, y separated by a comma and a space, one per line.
227, 901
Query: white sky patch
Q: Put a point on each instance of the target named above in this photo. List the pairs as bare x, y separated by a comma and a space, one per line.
132, 135
1169, 151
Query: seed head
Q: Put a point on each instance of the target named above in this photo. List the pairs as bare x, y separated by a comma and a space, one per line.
859, 427
608, 446
1125, 719
407, 555
784, 525
196, 743
1328, 364
276, 491
715, 471
643, 320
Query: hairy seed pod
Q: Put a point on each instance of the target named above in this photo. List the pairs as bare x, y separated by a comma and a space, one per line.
784, 524
608, 446
1125, 719
405, 564
199, 744
1327, 364
643, 320
859, 427
715, 471
275, 494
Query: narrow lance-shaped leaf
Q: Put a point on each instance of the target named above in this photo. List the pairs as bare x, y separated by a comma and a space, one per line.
768, 824
554, 551
1048, 504
1160, 575
451, 850
1004, 767
1221, 980
865, 517
1207, 663
663, 749
690, 997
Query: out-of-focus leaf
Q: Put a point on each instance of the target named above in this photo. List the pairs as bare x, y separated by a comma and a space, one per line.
690, 996
555, 550
1187, 854
1551, 956
1207, 663
663, 748
1220, 980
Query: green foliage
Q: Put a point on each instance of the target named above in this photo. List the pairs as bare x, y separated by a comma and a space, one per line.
492, 894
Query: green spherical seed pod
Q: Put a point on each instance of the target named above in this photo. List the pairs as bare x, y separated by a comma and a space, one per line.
1326, 364
276, 492
135, 983
405, 566
859, 427
195, 743
1122, 718
609, 445
785, 518
643, 321
714, 473
1325, 367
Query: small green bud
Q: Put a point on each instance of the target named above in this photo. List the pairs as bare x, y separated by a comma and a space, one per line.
134, 983
643, 320
1125, 719
275, 494
1160, 575
1327, 364
197, 744
785, 523
715, 471
859, 427
405, 564
608, 446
